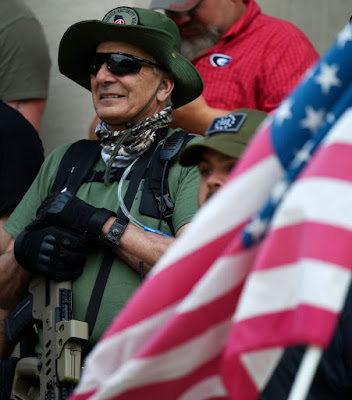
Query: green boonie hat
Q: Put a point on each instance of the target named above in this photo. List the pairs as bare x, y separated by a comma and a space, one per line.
228, 135
150, 30
175, 5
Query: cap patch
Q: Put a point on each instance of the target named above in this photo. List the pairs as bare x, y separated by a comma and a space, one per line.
227, 123
122, 16
219, 60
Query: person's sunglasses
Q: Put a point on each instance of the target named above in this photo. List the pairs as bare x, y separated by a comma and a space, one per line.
119, 63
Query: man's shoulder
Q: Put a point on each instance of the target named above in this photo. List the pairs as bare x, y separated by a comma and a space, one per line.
195, 139
74, 151
59, 151
14, 10
15, 127
276, 26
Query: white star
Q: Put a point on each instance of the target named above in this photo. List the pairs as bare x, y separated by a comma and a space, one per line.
283, 112
313, 119
257, 227
327, 77
344, 36
279, 190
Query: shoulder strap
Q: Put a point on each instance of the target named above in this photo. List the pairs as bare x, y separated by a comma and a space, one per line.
76, 164
156, 200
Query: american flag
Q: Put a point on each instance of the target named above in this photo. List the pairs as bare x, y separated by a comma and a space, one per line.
251, 274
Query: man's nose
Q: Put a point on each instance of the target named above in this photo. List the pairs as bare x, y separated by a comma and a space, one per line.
216, 179
105, 75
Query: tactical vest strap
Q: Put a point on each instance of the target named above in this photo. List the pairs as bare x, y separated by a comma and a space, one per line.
156, 201
75, 165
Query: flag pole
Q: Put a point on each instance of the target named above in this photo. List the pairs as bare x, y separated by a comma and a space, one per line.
306, 373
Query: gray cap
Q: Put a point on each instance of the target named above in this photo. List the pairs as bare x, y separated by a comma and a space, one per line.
174, 5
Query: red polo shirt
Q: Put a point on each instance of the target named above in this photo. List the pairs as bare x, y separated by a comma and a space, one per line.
256, 63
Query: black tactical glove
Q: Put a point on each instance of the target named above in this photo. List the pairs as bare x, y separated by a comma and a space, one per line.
54, 252
68, 211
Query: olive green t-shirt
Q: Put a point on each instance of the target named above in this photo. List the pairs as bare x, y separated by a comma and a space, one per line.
123, 280
25, 61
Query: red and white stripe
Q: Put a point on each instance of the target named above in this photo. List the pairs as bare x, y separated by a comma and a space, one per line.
301, 274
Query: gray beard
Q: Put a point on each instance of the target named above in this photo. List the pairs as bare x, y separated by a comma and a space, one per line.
192, 48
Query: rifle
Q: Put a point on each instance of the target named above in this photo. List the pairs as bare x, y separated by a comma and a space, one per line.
53, 374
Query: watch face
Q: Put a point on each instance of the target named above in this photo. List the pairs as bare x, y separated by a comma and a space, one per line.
115, 232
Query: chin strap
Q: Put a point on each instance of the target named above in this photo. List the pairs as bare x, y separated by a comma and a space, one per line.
128, 126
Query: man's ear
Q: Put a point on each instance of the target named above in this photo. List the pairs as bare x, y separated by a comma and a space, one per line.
165, 88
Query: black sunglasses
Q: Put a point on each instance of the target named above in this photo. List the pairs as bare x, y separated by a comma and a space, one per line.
119, 63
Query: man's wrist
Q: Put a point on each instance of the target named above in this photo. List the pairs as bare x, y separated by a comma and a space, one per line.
116, 230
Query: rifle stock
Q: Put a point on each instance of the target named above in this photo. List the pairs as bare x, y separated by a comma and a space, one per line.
53, 374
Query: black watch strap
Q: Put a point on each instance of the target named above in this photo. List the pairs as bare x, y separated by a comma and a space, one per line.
112, 238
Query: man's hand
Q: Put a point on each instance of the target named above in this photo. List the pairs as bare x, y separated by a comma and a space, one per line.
54, 252
68, 211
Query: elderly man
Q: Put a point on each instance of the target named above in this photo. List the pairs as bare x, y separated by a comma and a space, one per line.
246, 58
225, 140
125, 215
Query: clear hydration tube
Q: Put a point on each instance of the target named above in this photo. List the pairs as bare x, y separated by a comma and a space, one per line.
123, 206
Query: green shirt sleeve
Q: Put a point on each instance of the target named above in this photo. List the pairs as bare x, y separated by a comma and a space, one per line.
185, 192
25, 61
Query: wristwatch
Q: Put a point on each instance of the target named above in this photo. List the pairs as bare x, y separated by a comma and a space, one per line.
112, 238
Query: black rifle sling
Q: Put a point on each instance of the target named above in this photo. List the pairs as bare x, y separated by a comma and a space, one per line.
103, 274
